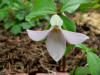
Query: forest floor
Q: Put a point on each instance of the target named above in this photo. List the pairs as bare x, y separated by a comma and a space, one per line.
19, 54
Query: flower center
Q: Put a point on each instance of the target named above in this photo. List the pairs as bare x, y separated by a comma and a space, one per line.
56, 29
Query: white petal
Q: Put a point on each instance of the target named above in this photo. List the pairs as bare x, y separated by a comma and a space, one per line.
56, 20
37, 35
56, 45
74, 37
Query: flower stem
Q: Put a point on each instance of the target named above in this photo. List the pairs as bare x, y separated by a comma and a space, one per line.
63, 64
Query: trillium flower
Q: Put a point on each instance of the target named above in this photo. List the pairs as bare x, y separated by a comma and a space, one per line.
56, 37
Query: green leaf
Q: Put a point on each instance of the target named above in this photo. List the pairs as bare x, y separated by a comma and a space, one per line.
8, 25
16, 29
82, 46
3, 13
47, 18
72, 4
95, 1
85, 48
94, 49
27, 25
41, 8
94, 4
72, 8
80, 71
20, 16
94, 63
84, 7
68, 24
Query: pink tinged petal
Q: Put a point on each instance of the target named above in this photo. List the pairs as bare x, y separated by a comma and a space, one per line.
37, 35
74, 37
56, 45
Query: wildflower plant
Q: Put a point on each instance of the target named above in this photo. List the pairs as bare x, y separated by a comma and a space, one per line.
62, 35
57, 37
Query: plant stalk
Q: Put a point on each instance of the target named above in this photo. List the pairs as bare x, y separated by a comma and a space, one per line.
63, 64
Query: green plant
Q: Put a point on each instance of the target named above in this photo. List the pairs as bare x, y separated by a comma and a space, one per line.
13, 13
